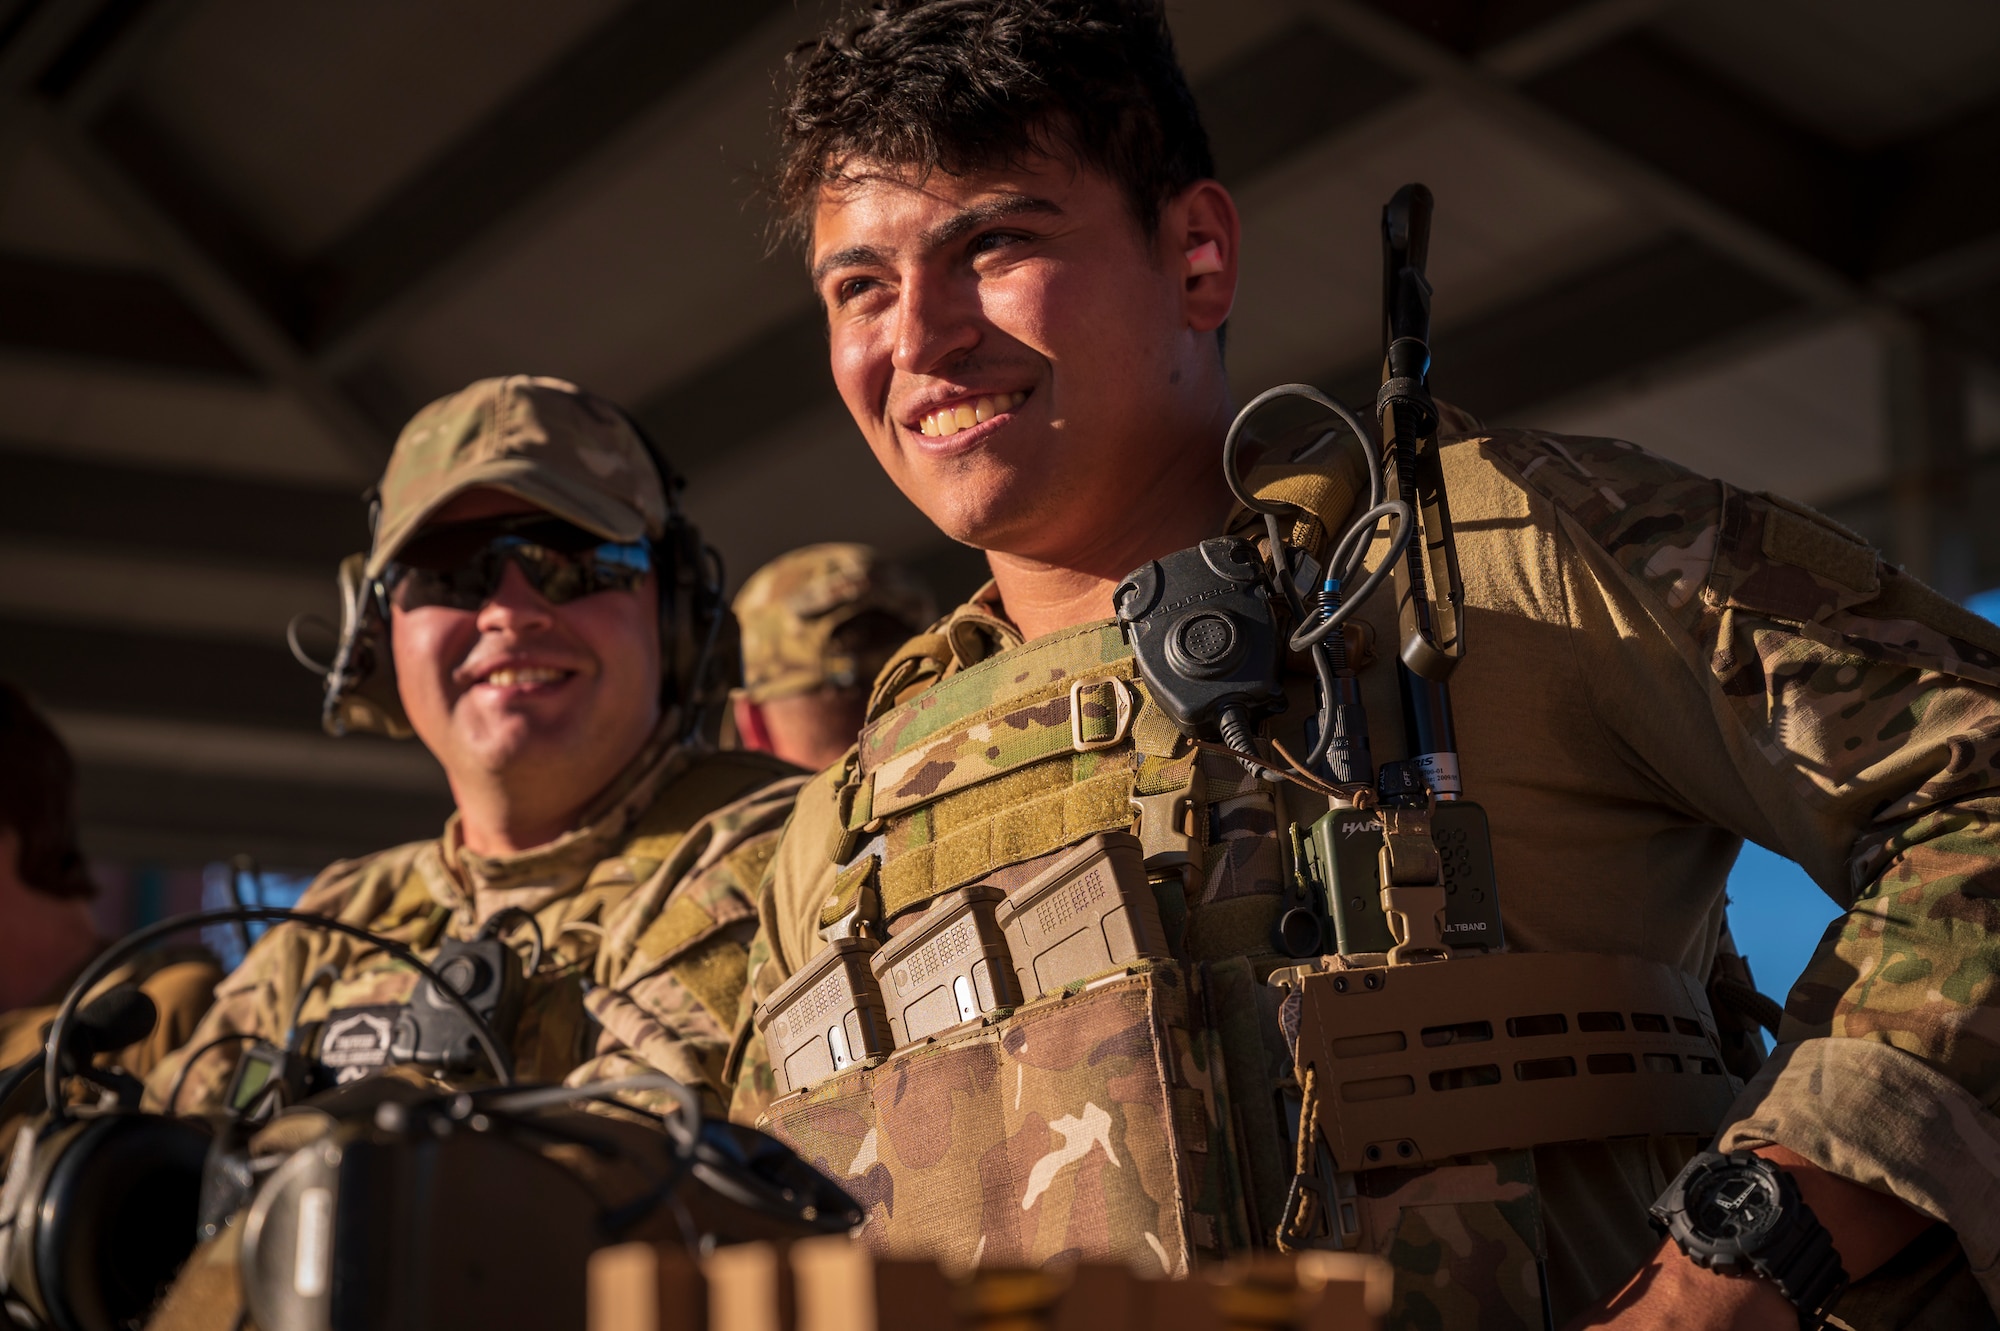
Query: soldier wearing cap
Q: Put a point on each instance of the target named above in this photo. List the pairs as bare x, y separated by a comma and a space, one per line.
537, 612
818, 625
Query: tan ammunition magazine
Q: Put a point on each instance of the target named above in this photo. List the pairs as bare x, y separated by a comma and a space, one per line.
951, 966
1090, 911
828, 1017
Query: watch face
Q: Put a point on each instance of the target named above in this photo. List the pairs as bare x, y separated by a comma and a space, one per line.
1735, 1202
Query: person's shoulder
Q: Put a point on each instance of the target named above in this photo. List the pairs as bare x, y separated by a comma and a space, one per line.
704, 871
803, 867
1615, 491
1660, 523
355, 890
717, 779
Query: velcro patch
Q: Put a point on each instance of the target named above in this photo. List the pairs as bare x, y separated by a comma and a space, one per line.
1794, 538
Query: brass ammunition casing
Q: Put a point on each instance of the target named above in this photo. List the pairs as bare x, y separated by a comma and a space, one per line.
1088, 912
828, 1017
951, 966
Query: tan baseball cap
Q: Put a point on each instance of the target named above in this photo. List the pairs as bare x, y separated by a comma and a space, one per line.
793, 609
543, 440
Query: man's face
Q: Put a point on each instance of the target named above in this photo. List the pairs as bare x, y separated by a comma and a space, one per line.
1012, 345
526, 691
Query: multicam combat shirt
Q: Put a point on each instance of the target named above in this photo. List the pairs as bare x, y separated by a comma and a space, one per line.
1659, 666
645, 910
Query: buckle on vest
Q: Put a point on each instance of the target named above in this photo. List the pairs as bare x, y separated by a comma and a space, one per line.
1120, 702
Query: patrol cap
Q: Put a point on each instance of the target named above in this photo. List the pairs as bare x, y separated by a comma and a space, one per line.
539, 439
793, 609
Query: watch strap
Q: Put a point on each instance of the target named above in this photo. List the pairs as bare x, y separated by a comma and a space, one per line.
1798, 1257
1801, 1260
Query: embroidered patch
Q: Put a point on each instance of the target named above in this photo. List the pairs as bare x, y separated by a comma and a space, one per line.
357, 1041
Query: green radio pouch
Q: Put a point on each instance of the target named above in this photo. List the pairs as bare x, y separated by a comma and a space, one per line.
1340, 857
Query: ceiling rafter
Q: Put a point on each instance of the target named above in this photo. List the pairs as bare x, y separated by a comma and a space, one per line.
239, 317
655, 62
77, 38
50, 306
418, 244
1302, 86
1656, 305
1492, 92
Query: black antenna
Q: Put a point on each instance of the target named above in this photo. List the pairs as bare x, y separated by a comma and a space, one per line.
1430, 596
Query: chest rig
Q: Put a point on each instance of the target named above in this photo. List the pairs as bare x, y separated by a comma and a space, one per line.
1009, 1046
1088, 988
544, 981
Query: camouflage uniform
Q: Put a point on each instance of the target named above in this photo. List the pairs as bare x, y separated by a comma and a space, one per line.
1661, 666
792, 610
180, 981
644, 907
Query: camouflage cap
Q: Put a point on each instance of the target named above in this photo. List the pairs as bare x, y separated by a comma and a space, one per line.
542, 440
792, 610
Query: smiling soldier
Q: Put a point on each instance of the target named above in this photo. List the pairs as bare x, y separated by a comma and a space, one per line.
1026, 266
538, 613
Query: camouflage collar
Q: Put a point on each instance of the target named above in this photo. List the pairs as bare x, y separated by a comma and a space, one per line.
979, 629
482, 884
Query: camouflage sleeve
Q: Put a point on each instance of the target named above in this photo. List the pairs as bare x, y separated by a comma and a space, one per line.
660, 1024
1861, 711
1888, 1066
253, 1001
182, 989
675, 961
788, 903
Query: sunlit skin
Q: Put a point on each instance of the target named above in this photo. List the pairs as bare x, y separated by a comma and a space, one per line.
1035, 279
525, 759
1038, 278
1671, 1292
810, 730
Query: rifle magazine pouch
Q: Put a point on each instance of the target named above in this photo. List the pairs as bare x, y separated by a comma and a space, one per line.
1089, 912
826, 1018
950, 966
1083, 1122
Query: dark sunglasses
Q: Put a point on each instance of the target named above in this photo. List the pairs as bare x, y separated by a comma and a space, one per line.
461, 565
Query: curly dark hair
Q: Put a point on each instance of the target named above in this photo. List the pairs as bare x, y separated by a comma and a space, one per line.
38, 799
962, 85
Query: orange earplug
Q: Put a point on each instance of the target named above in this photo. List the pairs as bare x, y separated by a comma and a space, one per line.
1204, 259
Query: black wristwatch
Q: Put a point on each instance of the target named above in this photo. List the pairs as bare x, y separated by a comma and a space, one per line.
1739, 1214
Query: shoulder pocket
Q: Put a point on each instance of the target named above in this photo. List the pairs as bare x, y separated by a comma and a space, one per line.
1783, 560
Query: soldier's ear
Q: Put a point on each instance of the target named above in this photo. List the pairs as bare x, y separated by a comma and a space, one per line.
1202, 226
751, 728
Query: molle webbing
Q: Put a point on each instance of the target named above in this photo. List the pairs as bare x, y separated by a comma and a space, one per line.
983, 721
1018, 756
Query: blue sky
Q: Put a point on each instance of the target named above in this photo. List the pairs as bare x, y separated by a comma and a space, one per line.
1775, 911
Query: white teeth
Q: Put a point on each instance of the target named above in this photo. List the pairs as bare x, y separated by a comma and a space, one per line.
524, 675
948, 421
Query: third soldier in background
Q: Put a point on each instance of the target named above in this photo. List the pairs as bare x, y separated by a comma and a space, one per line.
818, 624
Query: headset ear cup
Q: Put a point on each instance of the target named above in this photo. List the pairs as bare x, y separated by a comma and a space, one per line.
361, 687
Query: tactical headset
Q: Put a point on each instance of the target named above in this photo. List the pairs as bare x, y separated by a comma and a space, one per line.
101, 1207
695, 655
